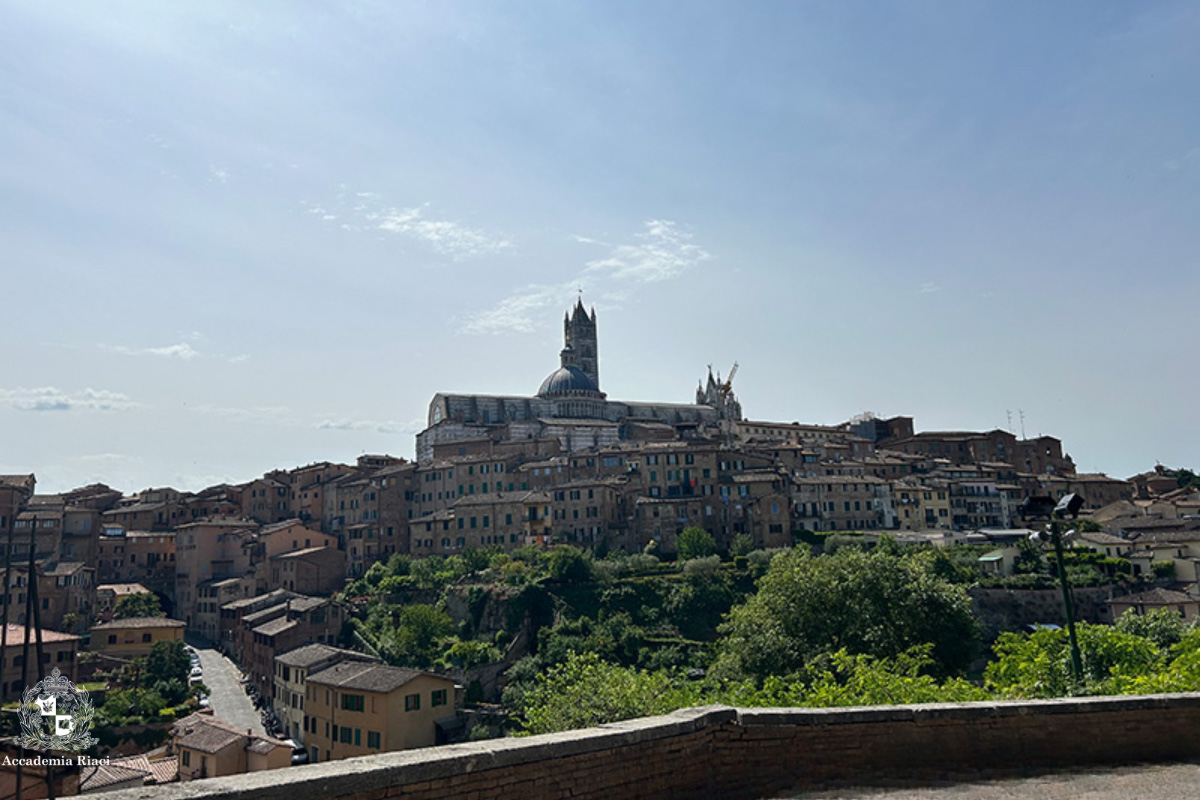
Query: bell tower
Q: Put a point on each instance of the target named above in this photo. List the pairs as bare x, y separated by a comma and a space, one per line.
579, 342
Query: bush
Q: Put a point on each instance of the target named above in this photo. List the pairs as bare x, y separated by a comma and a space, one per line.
1163, 569
702, 567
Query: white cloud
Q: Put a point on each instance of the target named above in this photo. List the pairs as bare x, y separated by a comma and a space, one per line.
660, 252
49, 398
183, 350
929, 287
367, 425
444, 236
519, 313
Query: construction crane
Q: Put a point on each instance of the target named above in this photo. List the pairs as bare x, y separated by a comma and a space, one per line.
727, 386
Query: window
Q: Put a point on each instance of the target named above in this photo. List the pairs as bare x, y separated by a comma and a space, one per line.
112, 638
373, 739
438, 697
352, 702
347, 735
187, 758
412, 702
146, 637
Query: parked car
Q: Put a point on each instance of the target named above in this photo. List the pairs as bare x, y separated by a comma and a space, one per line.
299, 753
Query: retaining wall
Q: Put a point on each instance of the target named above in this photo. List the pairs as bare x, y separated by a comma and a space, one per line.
720, 752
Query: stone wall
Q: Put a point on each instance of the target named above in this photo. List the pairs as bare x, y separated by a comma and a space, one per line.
719, 752
1012, 609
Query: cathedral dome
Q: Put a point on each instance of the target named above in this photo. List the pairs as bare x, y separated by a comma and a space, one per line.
567, 380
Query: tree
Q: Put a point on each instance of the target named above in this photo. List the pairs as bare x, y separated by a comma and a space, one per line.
741, 545
1039, 664
143, 604
584, 691
693, 542
569, 565
166, 671
873, 603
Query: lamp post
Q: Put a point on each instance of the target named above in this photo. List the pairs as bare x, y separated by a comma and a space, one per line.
1068, 506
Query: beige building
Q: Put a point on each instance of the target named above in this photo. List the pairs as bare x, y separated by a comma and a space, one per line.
209, 748
205, 551
313, 570
133, 637
356, 709
1185, 605
920, 506
210, 596
58, 650
291, 687
843, 503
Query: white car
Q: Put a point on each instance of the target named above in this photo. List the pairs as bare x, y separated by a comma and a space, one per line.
197, 672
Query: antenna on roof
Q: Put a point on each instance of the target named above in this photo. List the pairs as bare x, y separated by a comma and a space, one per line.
1010, 427
1022, 413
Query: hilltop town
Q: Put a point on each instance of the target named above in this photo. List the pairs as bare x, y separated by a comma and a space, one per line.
284, 574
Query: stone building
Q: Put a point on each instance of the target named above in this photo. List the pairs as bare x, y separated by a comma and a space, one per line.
568, 406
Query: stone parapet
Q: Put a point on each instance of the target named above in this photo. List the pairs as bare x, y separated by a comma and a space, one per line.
721, 752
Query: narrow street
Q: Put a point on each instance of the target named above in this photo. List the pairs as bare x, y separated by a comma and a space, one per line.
229, 702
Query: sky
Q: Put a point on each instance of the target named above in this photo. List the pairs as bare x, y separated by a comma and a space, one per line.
239, 237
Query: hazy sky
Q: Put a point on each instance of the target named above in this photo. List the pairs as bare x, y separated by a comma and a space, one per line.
242, 236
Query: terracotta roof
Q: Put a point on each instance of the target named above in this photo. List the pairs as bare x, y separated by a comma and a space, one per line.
308, 654
209, 735
266, 614
264, 746
277, 594
366, 677
164, 770
140, 622
1104, 538
304, 603
16, 633
307, 551
275, 626
118, 770
122, 589
65, 568
1156, 597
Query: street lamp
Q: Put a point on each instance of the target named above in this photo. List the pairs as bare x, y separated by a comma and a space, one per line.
1068, 506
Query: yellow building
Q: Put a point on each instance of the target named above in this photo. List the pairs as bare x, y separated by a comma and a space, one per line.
356, 709
920, 507
133, 637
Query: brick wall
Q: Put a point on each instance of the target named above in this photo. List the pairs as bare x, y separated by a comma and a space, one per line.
719, 752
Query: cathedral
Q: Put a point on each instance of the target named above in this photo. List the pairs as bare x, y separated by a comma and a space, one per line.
569, 406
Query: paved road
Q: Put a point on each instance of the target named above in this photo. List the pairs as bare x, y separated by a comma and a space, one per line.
1157, 781
229, 701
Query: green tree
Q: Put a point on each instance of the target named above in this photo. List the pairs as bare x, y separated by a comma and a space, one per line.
143, 604
1039, 664
570, 565
584, 691
419, 629
1162, 626
872, 603
693, 542
741, 545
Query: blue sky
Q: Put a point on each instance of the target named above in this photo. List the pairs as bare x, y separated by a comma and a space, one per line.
235, 237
